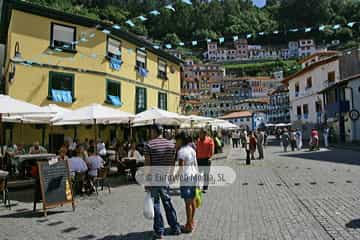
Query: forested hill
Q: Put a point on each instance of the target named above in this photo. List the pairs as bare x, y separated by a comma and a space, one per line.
222, 18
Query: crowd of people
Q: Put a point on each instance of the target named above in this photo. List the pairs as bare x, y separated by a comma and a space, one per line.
251, 141
294, 139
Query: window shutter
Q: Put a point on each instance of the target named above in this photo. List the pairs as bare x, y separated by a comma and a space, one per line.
114, 46
141, 56
63, 34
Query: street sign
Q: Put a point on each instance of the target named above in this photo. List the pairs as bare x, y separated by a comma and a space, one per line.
354, 114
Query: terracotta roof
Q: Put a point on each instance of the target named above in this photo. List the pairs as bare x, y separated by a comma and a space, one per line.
309, 68
323, 53
237, 115
256, 100
260, 78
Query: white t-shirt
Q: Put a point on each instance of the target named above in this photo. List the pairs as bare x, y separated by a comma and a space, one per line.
101, 149
188, 155
137, 155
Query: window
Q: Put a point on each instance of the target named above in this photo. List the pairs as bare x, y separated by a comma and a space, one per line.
61, 87
297, 89
162, 66
140, 99
162, 101
308, 82
63, 37
298, 110
113, 48
306, 111
140, 58
113, 93
331, 77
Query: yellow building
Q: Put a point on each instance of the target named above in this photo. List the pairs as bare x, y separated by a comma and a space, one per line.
56, 57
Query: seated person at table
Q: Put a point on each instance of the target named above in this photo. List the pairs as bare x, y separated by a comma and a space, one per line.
94, 163
10, 152
37, 149
134, 153
63, 154
77, 164
20, 149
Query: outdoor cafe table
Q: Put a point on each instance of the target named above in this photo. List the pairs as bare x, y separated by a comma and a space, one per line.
30, 159
130, 163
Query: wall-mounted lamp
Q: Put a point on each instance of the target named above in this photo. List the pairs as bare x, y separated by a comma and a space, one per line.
17, 55
12, 72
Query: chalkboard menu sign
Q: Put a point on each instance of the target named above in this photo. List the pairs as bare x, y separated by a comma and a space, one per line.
55, 184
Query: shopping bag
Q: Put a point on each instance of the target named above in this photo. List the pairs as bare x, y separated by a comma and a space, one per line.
148, 207
198, 198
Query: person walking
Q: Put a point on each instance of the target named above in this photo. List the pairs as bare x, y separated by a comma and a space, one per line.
292, 139
188, 170
298, 139
285, 139
235, 139
247, 148
253, 143
204, 151
161, 152
326, 136
260, 143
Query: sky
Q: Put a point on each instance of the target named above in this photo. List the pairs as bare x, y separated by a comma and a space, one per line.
259, 3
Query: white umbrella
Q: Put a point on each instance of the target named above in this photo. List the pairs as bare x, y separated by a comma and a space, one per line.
10, 106
53, 111
223, 124
155, 115
95, 114
194, 121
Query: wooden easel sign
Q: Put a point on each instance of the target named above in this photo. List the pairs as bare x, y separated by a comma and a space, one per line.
55, 184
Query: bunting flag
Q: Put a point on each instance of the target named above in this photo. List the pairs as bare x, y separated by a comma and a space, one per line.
181, 44
156, 46
130, 23
117, 27
154, 12
322, 28
293, 30
221, 40
106, 31
351, 24
235, 38
248, 35
261, 33
142, 18
194, 43
187, 2
276, 32
168, 46
308, 29
337, 26
208, 40
92, 35
170, 7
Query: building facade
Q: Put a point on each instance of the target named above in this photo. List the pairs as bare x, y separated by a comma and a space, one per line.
199, 81
342, 100
279, 106
244, 119
217, 54
74, 61
306, 104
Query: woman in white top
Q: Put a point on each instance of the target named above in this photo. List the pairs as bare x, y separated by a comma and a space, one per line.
188, 170
133, 153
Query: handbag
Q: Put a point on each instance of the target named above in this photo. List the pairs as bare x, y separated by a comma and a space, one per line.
198, 197
148, 207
